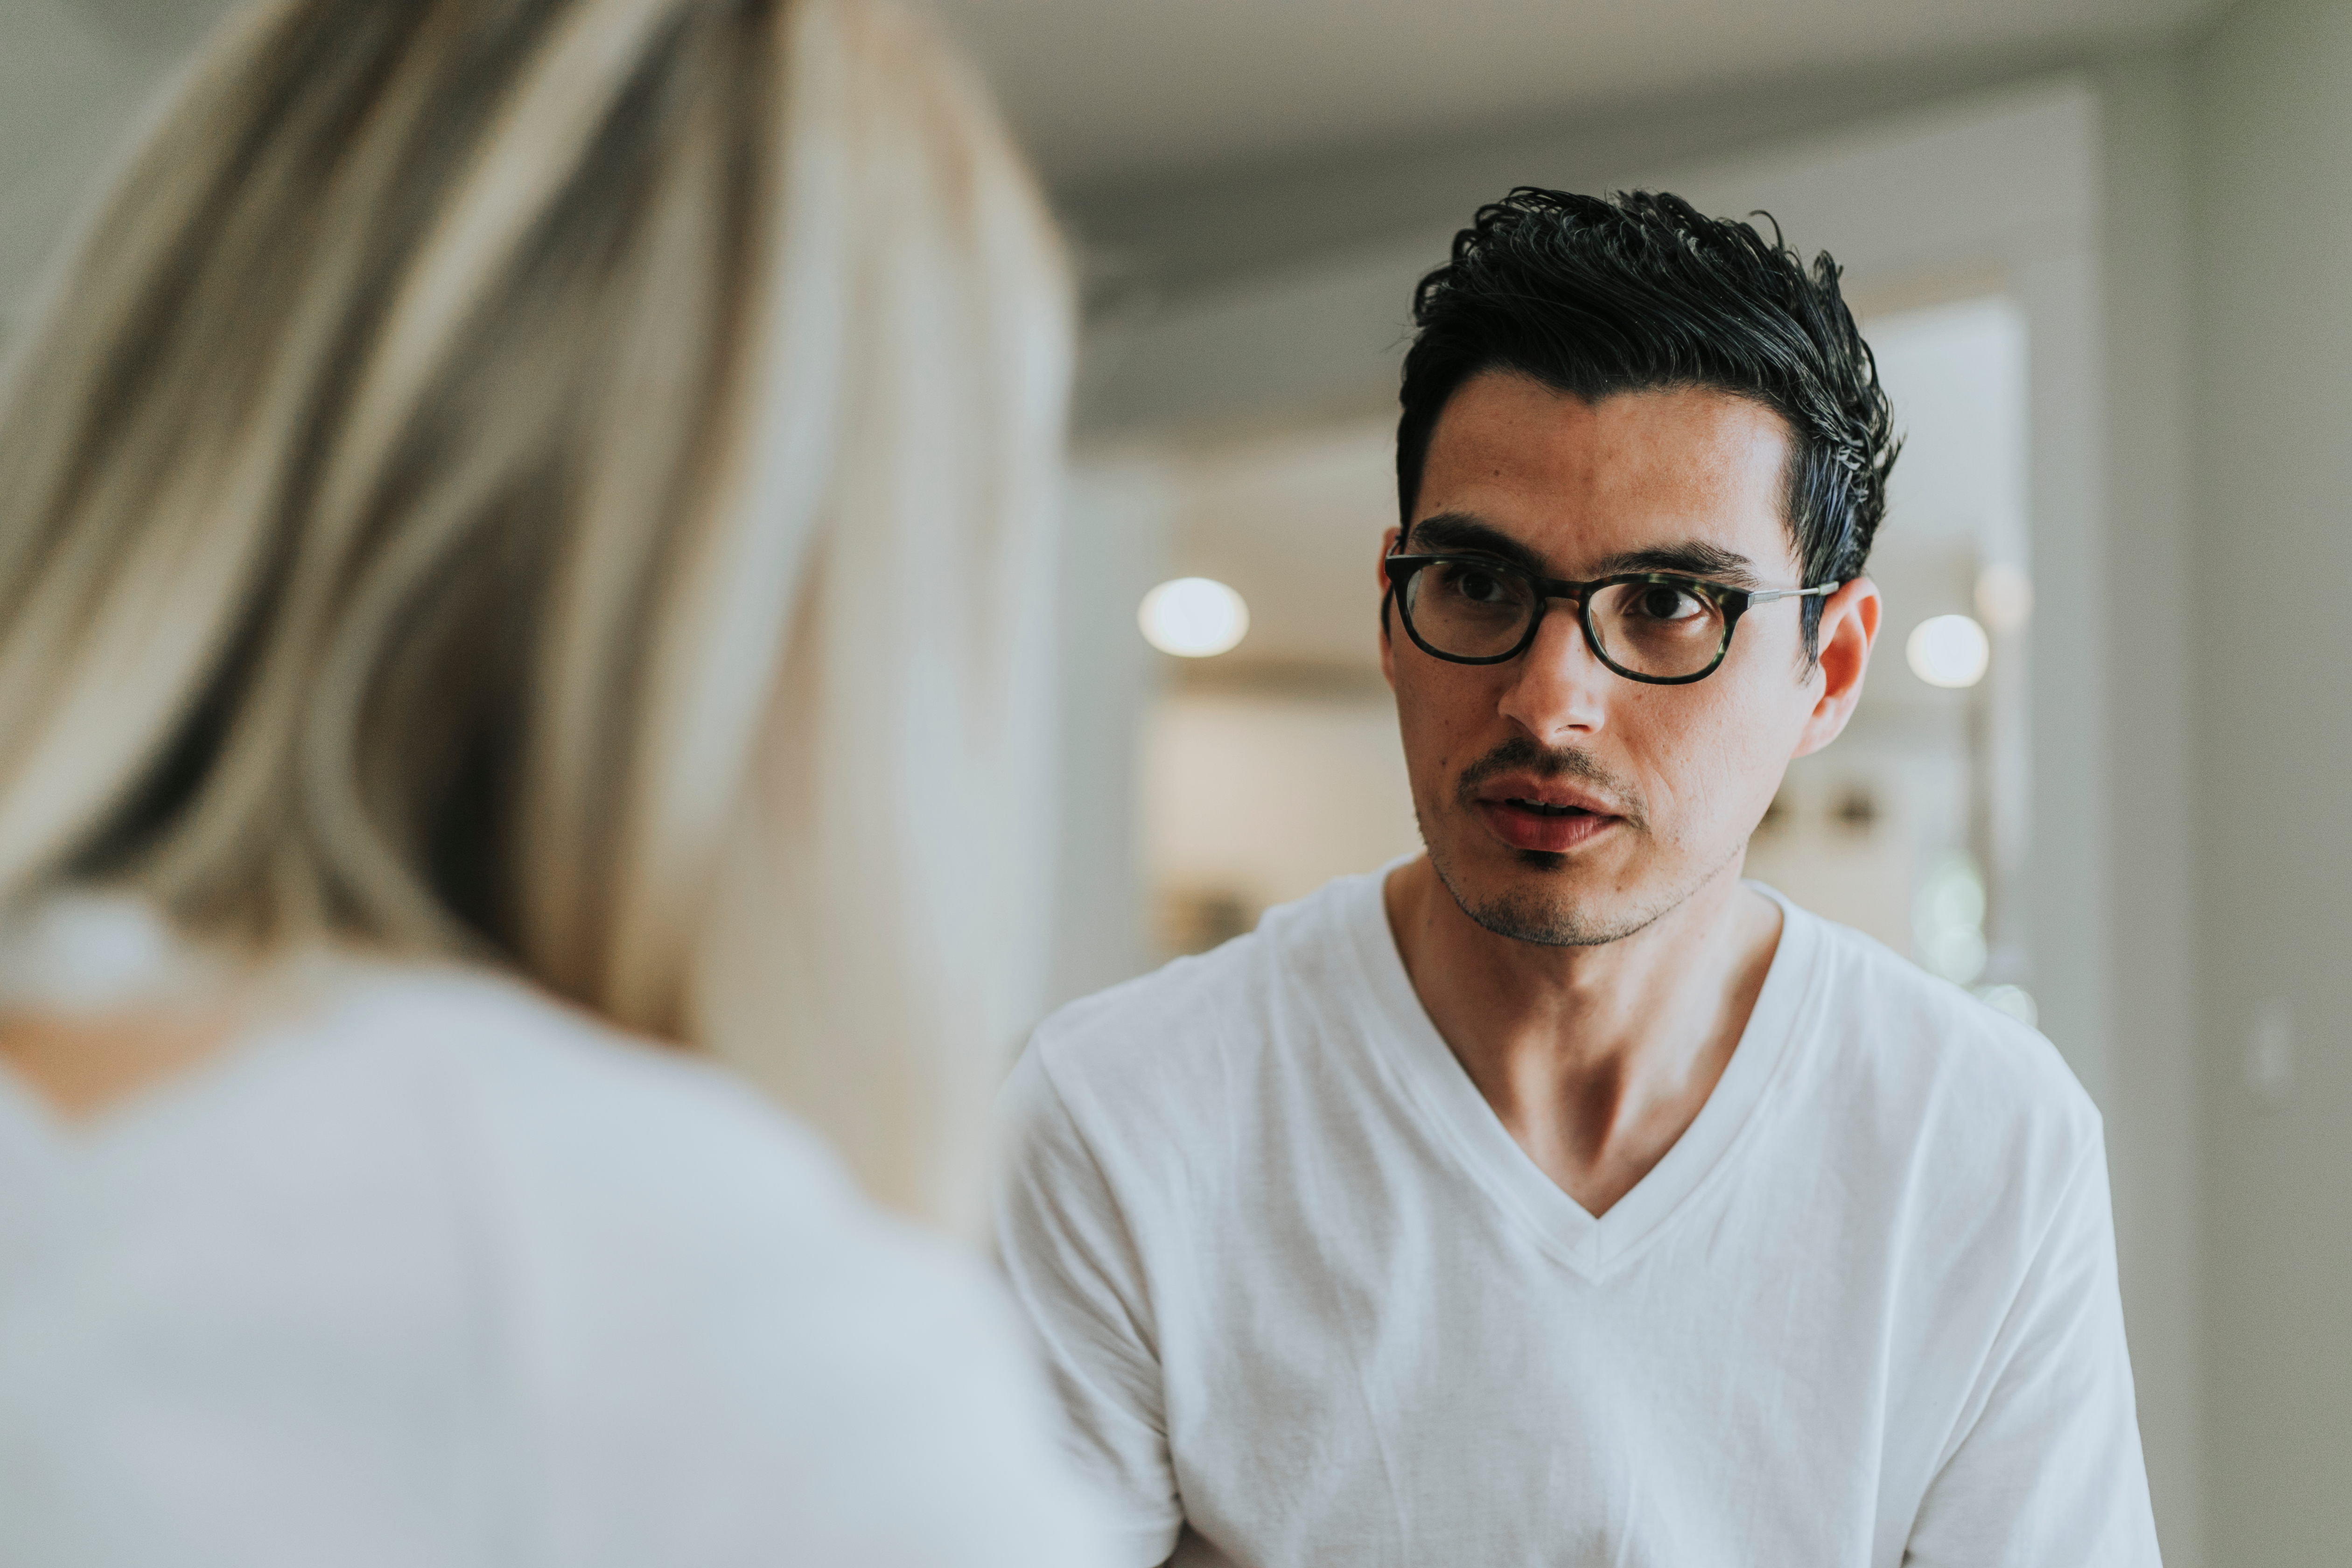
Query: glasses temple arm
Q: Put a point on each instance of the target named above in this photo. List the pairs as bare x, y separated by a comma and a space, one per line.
1766, 595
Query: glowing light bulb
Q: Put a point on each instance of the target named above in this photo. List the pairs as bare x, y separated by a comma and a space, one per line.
1948, 650
1193, 617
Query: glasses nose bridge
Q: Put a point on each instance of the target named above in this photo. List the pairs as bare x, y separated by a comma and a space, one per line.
1576, 595
1548, 589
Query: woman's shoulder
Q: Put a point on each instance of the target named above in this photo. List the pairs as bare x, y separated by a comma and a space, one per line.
610, 1276
551, 1112
707, 1315
622, 1171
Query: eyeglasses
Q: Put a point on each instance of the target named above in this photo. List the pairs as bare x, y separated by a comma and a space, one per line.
1661, 627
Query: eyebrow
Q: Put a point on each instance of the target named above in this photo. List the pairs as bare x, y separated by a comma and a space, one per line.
1453, 532
1692, 558
1456, 532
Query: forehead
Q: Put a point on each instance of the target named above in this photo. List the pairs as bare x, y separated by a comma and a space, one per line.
1578, 481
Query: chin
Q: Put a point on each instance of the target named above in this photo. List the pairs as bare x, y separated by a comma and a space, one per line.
1534, 896
1552, 922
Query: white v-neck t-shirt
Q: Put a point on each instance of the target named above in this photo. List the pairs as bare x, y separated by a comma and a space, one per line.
440, 1273
1308, 1303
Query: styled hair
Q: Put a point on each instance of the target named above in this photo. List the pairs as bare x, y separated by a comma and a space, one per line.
1639, 291
565, 484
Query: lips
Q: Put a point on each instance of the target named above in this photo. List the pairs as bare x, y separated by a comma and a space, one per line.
1540, 809
1547, 815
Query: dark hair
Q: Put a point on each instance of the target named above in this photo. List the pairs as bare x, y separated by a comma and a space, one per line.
1638, 291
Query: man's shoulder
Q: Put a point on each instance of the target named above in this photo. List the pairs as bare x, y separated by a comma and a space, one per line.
1204, 1013
1934, 1058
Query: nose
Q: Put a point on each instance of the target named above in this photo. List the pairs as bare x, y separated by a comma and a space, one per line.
1558, 689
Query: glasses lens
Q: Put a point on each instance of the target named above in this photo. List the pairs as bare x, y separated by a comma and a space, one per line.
1468, 609
1662, 627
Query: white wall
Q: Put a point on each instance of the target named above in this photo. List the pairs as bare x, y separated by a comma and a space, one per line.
1114, 542
2150, 831
1273, 795
2270, 730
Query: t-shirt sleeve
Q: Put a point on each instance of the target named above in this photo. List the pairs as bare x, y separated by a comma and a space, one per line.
1071, 1259
2048, 1472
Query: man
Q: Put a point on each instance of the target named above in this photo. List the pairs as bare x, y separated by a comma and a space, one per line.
1557, 1197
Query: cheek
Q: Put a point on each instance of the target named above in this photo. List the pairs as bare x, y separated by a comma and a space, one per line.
1713, 765
1439, 717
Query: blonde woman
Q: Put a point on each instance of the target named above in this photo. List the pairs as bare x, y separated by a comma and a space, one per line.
520, 538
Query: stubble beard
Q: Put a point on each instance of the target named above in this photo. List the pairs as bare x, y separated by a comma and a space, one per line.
1556, 918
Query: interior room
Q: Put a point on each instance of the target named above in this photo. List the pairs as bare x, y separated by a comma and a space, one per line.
2099, 249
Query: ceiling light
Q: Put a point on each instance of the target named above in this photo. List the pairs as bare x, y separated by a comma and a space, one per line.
1193, 617
1948, 650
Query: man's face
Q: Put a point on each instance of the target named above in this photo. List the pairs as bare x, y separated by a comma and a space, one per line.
1560, 802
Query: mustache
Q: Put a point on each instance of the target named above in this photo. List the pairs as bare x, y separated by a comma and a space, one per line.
1520, 754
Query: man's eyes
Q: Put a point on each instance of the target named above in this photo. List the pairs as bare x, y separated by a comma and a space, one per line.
1661, 602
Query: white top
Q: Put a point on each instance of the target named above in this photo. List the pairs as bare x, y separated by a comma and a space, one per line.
1310, 1304
446, 1275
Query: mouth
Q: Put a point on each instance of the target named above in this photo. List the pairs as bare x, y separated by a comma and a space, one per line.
1548, 819
1544, 808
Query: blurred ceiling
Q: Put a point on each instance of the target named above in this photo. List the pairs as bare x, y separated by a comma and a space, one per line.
1188, 143
1107, 89
1102, 88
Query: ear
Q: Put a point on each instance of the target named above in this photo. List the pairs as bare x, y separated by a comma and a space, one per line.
1381, 572
1848, 628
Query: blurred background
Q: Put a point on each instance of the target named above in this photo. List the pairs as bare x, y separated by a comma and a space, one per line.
2104, 250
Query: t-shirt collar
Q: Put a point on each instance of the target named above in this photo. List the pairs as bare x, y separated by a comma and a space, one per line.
1444, 1097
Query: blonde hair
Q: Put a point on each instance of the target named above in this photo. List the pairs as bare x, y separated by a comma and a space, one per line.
565, 482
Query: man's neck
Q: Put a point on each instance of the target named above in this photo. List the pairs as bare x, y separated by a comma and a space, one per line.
1595, 1058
